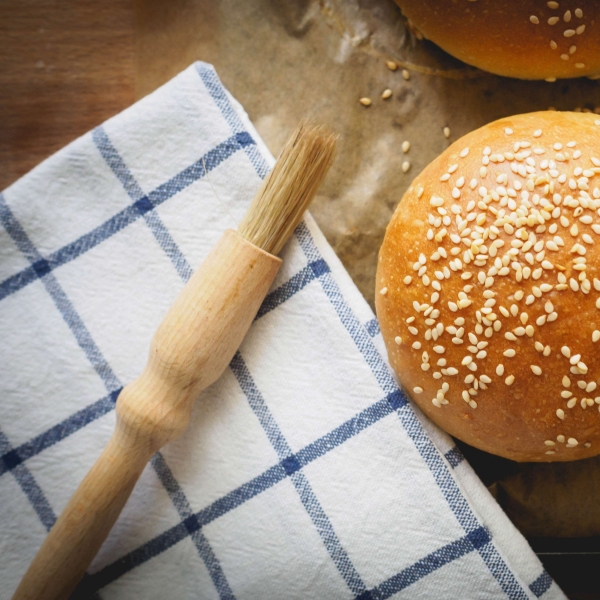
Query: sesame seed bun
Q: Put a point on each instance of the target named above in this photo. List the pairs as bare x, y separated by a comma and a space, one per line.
488, 288
528, 39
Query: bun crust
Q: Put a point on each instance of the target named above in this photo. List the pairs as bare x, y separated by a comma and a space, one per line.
527, 39
488, 288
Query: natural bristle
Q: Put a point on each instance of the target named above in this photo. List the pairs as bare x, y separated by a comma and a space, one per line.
284, 196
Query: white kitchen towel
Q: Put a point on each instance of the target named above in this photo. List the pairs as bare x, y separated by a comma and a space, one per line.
305, 472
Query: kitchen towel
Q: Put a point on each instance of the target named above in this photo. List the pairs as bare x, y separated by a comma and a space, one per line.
305, 472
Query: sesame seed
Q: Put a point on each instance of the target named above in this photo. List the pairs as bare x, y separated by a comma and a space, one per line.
365, 101
405, 146
569, 33
406, 74
550, 443
383, 291
398, 340
509, 380
473, 404
407, 280
580, 29
536, 370
439, 349
508, 131
578, 13
452, 371
560, 413
446, 132
405, 166
416, 345
510, 353
500, 370
418, 390
566, 394
436, 402
553, 20
534, 20
572, 442
391, 65
579, 66
425, 366
567, 16
386, 94
566, 351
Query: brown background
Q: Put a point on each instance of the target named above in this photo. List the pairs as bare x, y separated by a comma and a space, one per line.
65, 66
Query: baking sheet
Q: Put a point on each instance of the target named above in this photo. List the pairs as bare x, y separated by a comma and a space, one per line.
288, 59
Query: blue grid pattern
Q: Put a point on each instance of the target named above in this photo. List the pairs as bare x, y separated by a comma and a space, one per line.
290, 465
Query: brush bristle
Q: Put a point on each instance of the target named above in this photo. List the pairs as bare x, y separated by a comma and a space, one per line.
284, 196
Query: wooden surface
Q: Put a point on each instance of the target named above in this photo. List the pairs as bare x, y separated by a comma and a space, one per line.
190, 350
65, 66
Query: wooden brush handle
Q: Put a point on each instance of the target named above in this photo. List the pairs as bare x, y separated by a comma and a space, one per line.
192, 347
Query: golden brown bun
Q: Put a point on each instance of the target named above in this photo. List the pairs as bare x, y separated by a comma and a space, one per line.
499, 35
558, 267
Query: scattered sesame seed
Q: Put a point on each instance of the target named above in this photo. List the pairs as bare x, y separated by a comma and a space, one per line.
567, 16
386, 94
447, 132
508, 131
553, 20
578, 13
552, 4
560, 413
536, 370
580, 29
509, 380
510, 353
572, 442
383, 291
416, 345
365, 101
500, 370
398, 340
391, 65
406, 74
418, 390
534, 20
405, 146
405, 166
569, 33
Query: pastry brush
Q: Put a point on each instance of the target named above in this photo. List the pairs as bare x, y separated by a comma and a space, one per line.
190, 350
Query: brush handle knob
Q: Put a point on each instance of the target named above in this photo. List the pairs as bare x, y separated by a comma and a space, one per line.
190, 350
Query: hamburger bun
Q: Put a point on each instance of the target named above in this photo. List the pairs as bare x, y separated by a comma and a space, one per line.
529, 39
488, 288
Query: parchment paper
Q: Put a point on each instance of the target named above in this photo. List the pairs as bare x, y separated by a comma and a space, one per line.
288, 59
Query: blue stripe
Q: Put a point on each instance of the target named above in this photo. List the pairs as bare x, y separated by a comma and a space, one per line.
439, 470
247, 491
186, 513
131, 186
101, 407
430, 563
124, 218
541, 585
372, 327
13, 458
30, 488
66, 309
179, 532
454, 456
217, 92
165, 240
292, 286
292, 466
